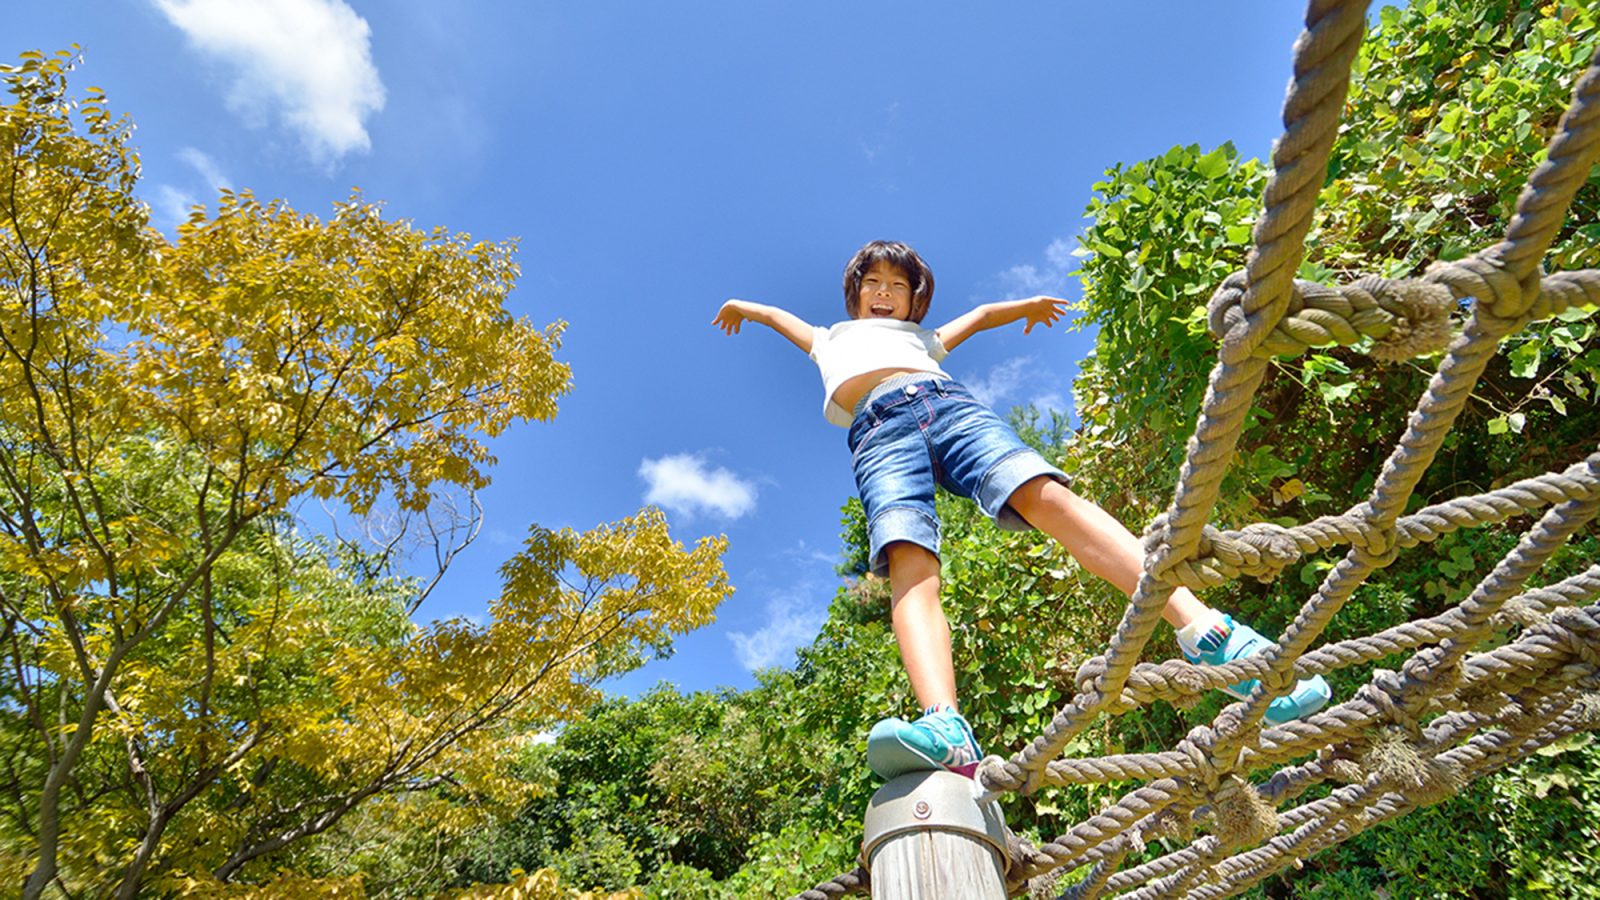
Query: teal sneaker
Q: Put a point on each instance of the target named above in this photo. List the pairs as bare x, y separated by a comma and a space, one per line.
941, 739
1228, 641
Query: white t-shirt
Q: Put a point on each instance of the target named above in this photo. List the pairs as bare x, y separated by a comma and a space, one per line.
858, 346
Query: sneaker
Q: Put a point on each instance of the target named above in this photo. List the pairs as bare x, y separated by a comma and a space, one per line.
1228, 641
941, 739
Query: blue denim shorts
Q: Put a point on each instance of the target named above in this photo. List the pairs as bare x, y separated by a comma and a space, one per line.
908, 437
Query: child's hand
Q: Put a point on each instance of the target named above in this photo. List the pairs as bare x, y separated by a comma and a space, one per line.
1042, 311
731, 316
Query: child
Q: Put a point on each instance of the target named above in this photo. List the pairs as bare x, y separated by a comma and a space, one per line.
911, 426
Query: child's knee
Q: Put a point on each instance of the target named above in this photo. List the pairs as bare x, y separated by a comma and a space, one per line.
910, 562
1039, 493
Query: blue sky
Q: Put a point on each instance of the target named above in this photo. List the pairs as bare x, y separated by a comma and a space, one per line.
655, 159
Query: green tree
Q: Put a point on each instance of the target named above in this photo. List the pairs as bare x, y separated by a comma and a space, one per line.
188, 686
1415, 177
1451, 106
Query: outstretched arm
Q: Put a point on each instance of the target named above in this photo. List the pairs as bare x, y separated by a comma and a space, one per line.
1036, 310
735, 312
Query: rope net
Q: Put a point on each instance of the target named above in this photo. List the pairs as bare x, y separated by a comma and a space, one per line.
1407, 738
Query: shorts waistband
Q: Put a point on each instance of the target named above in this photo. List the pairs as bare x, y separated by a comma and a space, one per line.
894, 383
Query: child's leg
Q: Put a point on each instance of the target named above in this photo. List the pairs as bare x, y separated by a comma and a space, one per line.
941, 739
920, 626
1109, 550
1097, 541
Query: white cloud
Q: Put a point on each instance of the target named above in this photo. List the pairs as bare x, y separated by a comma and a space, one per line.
1002, 381
683, 483
1018, 380
207, 167
1059, 253
1051, 277
884, 135
789, 625
804, 551
1050, 400
306, 62
170, 205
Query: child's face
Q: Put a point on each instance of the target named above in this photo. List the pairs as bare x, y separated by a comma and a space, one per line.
885, 293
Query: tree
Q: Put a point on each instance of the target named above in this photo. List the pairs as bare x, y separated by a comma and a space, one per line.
189, 685
1450, 107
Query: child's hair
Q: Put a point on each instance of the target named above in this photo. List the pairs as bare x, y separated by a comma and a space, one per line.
895, 254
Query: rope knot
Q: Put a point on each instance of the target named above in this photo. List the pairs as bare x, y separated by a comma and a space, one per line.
1225, 312
1275, 549
1088, 676
996, 773
1220, 556
1406, 318
1197, 746
1243, 816
1159, 558
1382, 544
1381, 692
1345, 771
1516, 614
1583, 632
1189, 681
1498, 294
1317, 316
1417, 321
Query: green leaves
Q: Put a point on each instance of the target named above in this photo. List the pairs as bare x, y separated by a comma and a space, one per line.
1525, 359
1510, 422
1214, 164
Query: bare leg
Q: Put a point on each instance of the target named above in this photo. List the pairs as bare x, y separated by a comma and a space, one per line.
920, 626
1097, 541
1109, 550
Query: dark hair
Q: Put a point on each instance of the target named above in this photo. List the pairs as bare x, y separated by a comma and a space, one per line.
901, 257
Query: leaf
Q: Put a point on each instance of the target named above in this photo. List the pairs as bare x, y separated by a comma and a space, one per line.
1542, 784
1525, 359
1214, 164
1336, 393
1289, 490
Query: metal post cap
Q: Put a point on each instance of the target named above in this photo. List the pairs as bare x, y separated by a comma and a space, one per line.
931, 801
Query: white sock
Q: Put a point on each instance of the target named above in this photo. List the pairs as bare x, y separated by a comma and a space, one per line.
1190, 634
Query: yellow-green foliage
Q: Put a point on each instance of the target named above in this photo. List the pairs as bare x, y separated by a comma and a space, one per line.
188, 689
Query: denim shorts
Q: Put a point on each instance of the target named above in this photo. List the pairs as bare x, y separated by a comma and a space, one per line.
913, 433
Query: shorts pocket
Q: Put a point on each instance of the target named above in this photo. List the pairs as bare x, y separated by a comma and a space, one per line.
855, 452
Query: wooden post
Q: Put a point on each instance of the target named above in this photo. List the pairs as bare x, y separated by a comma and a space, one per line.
926, 838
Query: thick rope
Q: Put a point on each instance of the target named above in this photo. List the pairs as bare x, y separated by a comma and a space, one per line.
1322, 59
1489, 709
